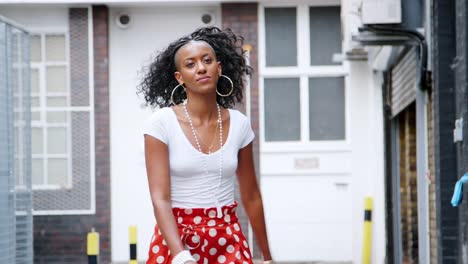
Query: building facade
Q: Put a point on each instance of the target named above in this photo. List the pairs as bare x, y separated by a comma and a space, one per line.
450, 105
317, 111
422, 60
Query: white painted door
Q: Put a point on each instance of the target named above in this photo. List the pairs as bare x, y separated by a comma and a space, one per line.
305, 158
150, 30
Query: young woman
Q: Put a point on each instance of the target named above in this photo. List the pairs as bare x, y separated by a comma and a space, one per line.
195, 146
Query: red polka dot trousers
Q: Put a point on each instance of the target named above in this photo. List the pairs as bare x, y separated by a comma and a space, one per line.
210, 239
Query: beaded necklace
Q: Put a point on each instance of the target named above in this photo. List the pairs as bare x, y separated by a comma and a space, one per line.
205, 165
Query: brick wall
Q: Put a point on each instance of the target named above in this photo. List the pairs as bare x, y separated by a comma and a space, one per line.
444, 53
408, 184
102, 134
242, 19
433, 235
461, 111
62, 239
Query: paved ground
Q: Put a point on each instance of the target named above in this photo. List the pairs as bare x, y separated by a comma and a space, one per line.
259, 262
313, 262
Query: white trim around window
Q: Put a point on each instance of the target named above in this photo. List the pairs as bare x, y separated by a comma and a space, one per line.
43, 109
303, 71
91, 207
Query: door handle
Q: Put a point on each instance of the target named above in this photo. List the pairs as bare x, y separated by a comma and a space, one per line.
341, 184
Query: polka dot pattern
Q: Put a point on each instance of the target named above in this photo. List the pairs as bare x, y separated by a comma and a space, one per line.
210, 239
222, 241
213, 251
221, 259
212, 213
213, 232
230, 249
160, 259
155, 249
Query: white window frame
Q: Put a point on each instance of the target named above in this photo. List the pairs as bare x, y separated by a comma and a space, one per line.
43, 109
303, 71
91, 110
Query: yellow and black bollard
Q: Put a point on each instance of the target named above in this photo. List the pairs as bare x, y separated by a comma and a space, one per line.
92, 247
132, 234
367, 236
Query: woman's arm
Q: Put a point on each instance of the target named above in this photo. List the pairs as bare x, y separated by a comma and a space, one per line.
157, 169
251, 198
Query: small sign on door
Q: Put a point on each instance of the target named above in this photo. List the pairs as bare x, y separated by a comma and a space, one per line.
307, 163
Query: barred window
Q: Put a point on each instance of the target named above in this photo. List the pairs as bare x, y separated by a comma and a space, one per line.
50, 113
298, 70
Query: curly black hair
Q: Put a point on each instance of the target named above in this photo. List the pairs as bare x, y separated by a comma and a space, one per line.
159, 81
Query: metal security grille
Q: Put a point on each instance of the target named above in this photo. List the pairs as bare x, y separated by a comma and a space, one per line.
404, 82
16, 241
62, 147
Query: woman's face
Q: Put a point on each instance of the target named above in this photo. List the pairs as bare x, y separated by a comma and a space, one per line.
197, 67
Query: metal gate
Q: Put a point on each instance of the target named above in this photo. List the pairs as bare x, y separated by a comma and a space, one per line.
16, 236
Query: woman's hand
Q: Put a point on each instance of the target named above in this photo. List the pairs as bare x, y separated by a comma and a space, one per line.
252, 199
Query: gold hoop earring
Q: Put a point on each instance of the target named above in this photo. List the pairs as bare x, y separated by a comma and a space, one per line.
173, 90
232, 87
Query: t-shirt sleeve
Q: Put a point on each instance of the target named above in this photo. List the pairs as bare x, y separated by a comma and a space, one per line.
156, 127
247, 132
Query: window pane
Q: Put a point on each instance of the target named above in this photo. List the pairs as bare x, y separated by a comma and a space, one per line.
56, 79
57, 101
35, 48
35, 102
57, 140
280, 36
36, 141
55, 47
282, 110
57, 171
327, 108
325, 34
35, 116
56, 117
37, 171
34, 81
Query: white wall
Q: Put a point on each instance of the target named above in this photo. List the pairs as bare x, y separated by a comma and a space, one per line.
316, 214
367, 142
367, 162
306, 209
50, 18
152, 29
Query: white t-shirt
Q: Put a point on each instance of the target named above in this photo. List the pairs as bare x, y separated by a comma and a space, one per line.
191, 186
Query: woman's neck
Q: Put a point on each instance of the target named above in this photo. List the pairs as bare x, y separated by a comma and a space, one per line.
202, 109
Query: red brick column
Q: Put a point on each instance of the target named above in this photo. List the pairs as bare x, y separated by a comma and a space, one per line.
102, 134
242, 18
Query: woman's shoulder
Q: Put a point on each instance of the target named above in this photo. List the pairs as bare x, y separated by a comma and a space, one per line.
161, 112
159, 115
238, 116
156, 124
243, 127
